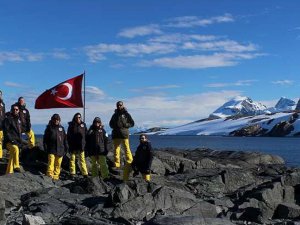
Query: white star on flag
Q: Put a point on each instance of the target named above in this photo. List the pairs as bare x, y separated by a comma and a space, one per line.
53, 92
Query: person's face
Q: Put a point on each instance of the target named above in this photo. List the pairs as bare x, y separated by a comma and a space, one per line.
56, 122
143, 139
22, 101
97, 123
120, 105
15, 110
78, 119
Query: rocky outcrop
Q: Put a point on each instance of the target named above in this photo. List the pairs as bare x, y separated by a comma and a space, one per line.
199, 186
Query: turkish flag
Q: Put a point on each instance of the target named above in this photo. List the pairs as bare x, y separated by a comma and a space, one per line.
67, 94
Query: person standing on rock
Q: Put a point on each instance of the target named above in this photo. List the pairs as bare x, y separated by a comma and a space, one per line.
76, 139
55, 144
142, 159
26, 124
96, 146
12, 127
2, 117
120, 123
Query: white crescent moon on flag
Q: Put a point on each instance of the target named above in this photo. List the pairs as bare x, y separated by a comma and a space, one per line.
70, 91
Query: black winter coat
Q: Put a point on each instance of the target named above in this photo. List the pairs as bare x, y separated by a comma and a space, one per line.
143, 157
96, 141
2, 114
12, 130
25, 118
120, 122
55, 140
76, 136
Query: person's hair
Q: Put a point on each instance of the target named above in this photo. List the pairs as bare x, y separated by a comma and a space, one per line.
144, 135
76, 114
13, 106
119, 102
55, 116
97, 119
20, 98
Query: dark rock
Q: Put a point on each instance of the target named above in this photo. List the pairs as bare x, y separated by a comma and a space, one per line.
281, 129
253, 130
187, 220
287, 211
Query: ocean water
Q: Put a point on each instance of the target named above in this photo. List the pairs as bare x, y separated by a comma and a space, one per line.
287, 148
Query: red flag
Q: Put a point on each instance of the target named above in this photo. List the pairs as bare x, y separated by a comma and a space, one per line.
67, 94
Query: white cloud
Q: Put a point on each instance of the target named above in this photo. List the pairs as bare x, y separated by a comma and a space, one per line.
194, 21
13, 84
147, 111
140, 31
179, 38
152, 88
283, 82
19, 56
94, 93
226, 45
238, 83
95, 52
60, 54
198, 61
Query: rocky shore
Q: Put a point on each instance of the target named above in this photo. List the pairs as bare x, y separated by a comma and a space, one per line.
191, 187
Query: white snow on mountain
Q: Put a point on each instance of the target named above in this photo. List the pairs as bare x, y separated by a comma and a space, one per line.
284, 104
238, 113
223, 127
239, 106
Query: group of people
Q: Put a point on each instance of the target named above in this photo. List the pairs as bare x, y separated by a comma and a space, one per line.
13, 125
78, 141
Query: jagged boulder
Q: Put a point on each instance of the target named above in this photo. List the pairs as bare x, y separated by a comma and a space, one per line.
187, 220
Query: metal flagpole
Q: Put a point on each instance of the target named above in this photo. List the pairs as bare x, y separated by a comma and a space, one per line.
84, 96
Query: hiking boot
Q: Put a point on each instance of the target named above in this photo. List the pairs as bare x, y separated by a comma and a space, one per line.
17, 170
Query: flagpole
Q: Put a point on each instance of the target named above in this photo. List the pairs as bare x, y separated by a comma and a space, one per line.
84, 96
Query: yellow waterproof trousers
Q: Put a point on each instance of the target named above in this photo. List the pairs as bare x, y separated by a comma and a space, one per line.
1, 142
124, 143
99, 161
127, 171
54, 165
31, 138
13, 162
82, 163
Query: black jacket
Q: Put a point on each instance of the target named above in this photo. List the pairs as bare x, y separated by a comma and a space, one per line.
55, 140
96, 141
76, 136
2, 114
25, 118
12, 130
120, 122
143, 157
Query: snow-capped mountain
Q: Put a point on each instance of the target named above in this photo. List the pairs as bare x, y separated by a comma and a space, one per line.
278, 124
243, 106
284, 104
243, 117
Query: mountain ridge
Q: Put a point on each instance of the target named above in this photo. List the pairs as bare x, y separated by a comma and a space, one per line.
241, 116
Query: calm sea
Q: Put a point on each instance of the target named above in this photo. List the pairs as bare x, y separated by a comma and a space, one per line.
287, 148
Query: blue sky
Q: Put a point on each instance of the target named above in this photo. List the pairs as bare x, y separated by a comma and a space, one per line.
170, 61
